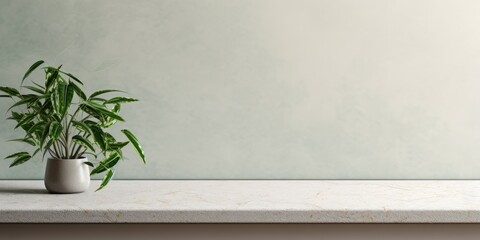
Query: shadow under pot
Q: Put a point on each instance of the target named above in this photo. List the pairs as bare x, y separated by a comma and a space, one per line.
67, 175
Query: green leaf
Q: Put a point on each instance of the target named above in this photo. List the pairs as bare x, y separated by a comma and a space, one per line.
82, 126
94, 113
68, 97
25, 140
109, 138
45, 110
36, 127
83, 141
103, 92
74, 78
119, 152
120, 100
98, 99
55, 103
52, 74
27, 126
20, 159
25, 120
26, 100
35, 89
89, 164
56, 117
106, 179
90, 123
135, 144
55, 130
78, 91
118, 145
52, 69
47, 146
39, 86
10, 91
44, 136
36, 151
16, 116
60, 98
35, 106
103, 110
116, 108
30, 70
16, 155
106, 164
108, 123
98, 137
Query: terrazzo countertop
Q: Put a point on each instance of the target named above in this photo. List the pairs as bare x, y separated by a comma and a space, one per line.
242, 201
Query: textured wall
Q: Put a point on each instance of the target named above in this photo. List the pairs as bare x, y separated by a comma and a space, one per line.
268, 88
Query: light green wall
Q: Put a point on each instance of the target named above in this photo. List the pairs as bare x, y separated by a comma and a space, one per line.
268, 88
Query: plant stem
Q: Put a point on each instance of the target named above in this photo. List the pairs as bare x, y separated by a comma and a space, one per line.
83, 152
68, 126
77, 153
66, 139
52, 153
85, 135
55, 149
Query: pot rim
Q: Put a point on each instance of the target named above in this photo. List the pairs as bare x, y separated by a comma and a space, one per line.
67, 159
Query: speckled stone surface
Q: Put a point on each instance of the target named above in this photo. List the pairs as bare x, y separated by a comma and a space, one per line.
222, 201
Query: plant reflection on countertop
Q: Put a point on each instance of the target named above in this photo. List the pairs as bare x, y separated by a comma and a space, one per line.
61, 120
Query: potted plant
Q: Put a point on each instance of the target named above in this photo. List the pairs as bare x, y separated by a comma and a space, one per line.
60, 120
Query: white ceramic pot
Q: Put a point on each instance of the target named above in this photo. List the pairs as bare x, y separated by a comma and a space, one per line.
67, 175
